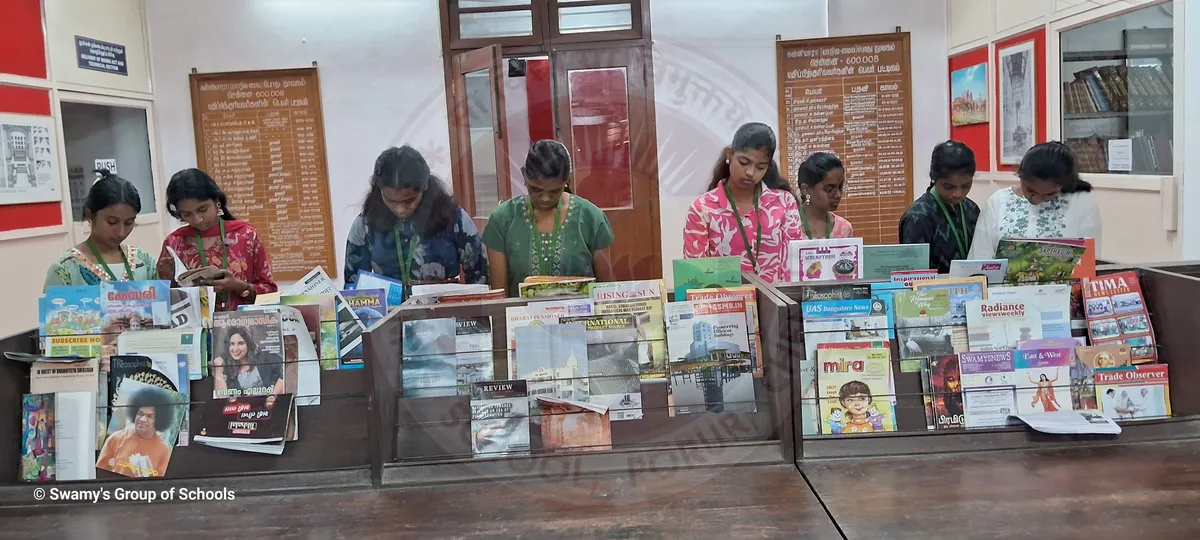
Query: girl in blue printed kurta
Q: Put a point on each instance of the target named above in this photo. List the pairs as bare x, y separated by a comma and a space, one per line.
111, 208
411, 228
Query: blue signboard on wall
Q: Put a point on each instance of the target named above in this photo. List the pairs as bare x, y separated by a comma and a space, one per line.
101, 56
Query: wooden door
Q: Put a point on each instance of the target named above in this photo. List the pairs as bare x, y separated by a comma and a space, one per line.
606, 118
477, 121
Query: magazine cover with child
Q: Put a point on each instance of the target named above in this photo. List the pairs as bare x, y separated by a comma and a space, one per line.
855, 390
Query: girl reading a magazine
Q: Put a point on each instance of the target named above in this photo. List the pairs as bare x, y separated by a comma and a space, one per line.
747, 212
550, 231
111, 209
1051, 201
411, 229
212, 237
944, 217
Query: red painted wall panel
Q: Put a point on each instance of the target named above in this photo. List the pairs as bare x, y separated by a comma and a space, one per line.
19, 100
1038, 37
21, 38
540, 101
976, 136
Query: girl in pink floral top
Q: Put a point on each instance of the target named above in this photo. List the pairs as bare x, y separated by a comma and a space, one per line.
744, 213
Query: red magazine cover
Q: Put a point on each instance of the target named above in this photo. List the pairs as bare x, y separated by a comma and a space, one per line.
1116, 313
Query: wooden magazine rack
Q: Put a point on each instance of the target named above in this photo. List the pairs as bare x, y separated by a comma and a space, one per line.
1169, 299
331, 451
427, 440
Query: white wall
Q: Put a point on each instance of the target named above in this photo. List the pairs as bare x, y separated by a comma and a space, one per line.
380, 69
714, 69
926, 22
1187, 110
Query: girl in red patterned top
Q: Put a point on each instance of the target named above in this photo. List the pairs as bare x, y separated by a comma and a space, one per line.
234, 246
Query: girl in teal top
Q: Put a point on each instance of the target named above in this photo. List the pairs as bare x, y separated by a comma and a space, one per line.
111, 208
550, 231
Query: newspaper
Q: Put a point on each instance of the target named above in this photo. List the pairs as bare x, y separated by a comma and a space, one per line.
1086, 422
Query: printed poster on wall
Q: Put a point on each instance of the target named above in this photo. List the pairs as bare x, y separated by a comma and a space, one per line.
27, 153
969, 95
1017, 107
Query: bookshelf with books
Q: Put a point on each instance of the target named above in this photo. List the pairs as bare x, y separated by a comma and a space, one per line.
1117, 92
1165, 296
459, 430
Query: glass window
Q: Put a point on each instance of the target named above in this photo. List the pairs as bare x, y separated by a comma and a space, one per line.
116, 138
603, 18
1117, 97
482, 123
493, 24
491, 3
600, 135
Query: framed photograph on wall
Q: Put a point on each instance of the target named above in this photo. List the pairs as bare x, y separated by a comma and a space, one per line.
27, 160
969, 95
1018, 107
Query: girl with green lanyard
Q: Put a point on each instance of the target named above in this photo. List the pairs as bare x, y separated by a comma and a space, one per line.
549, 231
944, 217
213, 237
411, 229
820, 182
111, 208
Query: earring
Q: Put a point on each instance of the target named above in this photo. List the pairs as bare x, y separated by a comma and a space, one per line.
727, 162
807, 199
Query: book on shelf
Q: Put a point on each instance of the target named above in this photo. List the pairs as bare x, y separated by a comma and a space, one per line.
256, 424
81, 376
500, 418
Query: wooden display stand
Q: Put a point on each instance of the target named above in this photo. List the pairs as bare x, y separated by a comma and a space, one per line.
427, 440
1169, 297
331, 452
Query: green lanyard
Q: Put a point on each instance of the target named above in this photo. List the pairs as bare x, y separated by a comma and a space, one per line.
742, 228
222, 298
224, 248
104, 265
405, 263
960, 237
808, 231
545, 266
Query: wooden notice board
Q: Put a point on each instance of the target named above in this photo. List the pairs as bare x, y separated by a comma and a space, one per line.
852, 96
261, 136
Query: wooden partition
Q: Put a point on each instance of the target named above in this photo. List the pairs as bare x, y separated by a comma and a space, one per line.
427, 440
1171, 302
331, 451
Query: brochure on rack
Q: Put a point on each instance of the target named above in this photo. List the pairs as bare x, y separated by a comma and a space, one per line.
1088, 422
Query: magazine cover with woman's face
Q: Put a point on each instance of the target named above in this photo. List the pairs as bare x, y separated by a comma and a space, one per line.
247, 355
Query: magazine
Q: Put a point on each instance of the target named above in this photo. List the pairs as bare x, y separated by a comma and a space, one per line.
995, 325
1053, 302
962, 290
825, 259
348, 329
473, 352
553, 360
1141, 392
705, 273
696, 388
70, 321
500, 418
146, 425
749, 294
131, 305
614, 359
574, 426
164, 370
371, 280
882, 261
993, 270
1116, 313
302, 369
924, 324
327, 306
644, 299
945, 383
1032, 261
564, 287
707, 331
988, 387
1042, 376
537, 314
247, 357
855, 390
1083, 370
428, 368
257, 424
